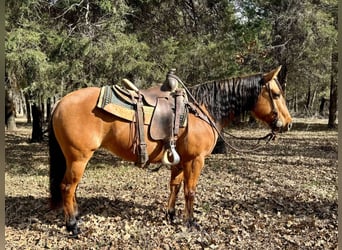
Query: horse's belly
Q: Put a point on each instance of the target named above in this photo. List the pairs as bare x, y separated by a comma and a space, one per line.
121, 140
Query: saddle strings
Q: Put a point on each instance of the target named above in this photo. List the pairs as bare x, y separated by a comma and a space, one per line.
270, 136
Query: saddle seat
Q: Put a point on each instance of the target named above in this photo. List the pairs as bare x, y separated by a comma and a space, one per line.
150, 95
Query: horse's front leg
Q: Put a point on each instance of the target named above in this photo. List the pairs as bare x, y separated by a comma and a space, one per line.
71, 179
175, 185
192, 170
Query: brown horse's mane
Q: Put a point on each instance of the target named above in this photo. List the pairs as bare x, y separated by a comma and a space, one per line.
234, 96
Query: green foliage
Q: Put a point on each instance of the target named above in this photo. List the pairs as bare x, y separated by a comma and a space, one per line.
27, 66
51, 45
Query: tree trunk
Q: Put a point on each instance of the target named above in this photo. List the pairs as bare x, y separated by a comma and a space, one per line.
42, 105
23, 107
295, 102
37, 124
308, 98
9, 112
313, 99
48, 109
28, 108
333, 91
322, 105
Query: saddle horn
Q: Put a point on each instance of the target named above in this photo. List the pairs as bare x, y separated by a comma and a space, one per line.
171, 81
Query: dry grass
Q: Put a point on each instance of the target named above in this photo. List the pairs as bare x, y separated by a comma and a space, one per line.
281, 197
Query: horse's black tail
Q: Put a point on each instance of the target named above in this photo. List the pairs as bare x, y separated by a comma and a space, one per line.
57, 168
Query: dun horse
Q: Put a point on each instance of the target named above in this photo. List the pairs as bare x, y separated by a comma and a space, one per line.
78, 128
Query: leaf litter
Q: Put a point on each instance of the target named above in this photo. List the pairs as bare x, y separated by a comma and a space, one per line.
283, 196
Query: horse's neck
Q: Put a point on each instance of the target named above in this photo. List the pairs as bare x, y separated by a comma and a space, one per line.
228, 99
238, 98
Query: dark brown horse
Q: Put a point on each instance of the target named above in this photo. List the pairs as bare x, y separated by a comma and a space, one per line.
78, 128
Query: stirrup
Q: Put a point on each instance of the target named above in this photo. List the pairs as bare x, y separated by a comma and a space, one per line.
171, 152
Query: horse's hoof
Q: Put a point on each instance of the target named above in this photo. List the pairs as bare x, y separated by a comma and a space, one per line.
73, 229
74, 233
170, 217
192, 224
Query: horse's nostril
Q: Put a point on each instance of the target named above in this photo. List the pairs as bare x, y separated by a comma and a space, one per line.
279, 124
289, 126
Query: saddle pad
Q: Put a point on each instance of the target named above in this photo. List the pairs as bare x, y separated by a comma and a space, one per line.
113, 104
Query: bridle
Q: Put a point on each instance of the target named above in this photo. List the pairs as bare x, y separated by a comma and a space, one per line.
275, 121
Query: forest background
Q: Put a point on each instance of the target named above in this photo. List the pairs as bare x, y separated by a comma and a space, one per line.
56, 46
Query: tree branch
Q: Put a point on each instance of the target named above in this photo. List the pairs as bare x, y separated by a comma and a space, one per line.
73, 5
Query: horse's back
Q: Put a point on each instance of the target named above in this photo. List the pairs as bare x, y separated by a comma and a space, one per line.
85, 97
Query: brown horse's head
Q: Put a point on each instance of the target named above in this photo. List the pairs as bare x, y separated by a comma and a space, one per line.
271, 106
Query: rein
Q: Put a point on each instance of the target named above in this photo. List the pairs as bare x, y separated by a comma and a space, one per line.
270, 136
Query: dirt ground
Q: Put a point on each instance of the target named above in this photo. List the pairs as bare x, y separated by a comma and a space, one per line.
283, 196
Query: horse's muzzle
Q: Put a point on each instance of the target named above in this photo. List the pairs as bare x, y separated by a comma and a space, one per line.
285, 128
278, 126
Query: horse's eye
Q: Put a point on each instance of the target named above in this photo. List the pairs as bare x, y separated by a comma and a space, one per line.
276, 95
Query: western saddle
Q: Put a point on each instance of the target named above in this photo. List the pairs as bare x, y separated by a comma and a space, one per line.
169, 114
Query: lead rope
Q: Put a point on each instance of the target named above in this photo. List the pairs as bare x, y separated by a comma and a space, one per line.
270, 136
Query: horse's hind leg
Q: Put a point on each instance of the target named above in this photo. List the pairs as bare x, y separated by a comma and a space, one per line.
72, 177
175, 185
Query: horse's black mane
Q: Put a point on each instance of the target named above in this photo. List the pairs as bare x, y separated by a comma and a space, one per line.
234, 96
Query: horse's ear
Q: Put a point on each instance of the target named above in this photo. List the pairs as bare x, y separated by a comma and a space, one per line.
271, 75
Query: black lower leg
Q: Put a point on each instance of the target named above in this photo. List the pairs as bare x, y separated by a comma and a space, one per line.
191, 223
170, 216
71, 226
